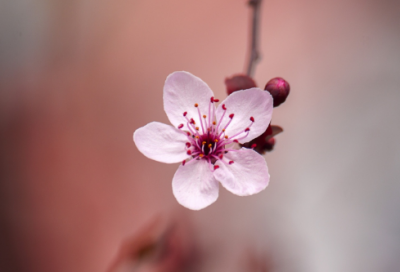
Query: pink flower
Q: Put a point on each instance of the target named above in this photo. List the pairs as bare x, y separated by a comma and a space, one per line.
201, 138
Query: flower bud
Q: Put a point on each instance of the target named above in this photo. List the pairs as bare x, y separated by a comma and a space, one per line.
279, 89
239, 82
266, 141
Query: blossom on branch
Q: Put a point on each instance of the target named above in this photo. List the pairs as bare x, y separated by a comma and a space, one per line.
202, 138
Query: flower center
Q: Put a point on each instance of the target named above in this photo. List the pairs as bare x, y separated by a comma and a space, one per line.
208, 140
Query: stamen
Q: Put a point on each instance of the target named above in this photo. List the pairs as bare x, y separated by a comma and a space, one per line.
180, 126
189, 152
221, 156
214, 123
183, 162
253, 146
236, 141
184, 114
204, 142
216, 100
209, 145
188, 133
196, 105
223, 107
226, 137
197, 136
231, 115
201, 155
230, 162
216, 167
252, 119
247, 129
204, 116
188, 144
216, 140
197, 128
192, 121
212, 99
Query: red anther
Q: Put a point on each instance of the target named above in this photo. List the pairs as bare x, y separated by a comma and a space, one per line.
180, 126
188, 144
252, 119
183, 162
188, 133
253, 146
189, 152
236, 141
231, 115
247, 129
216, 100
212, 99
223, 107
184, 114
221, 156
216, 167
192, 121
230, 162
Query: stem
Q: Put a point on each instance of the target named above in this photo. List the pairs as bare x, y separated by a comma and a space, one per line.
254, 53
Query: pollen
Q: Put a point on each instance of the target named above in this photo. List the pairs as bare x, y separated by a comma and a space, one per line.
204, 116
196, 105
197, 136
201, 155
197, 128
226, 137
216, 140
223, 130
209, 145
214, 123
203, 143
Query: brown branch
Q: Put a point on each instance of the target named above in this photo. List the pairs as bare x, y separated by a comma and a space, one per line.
254, 54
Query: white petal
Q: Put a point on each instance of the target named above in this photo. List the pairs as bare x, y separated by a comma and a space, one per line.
182, 91
247, 175
161, 142
194, 185
245, 104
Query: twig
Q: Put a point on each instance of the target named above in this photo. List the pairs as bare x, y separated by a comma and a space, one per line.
254, 53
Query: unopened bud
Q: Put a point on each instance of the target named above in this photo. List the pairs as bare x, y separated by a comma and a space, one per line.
279, 89
239, 82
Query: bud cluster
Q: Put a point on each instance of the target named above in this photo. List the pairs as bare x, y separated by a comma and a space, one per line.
279, 90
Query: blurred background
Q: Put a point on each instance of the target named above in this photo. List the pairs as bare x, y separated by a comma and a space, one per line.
78, 77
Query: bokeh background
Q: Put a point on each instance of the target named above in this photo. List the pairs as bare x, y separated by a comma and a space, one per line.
78, 77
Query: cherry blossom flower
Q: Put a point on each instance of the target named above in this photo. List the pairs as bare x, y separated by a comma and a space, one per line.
203, 136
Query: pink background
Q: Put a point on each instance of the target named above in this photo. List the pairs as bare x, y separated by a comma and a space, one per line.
78, 77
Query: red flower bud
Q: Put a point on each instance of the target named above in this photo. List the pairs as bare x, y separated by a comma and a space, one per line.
279, 89
239, 82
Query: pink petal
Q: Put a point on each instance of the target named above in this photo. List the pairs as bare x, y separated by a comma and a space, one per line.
182, 91
245, 104
247, 175
161, 142
194, 185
